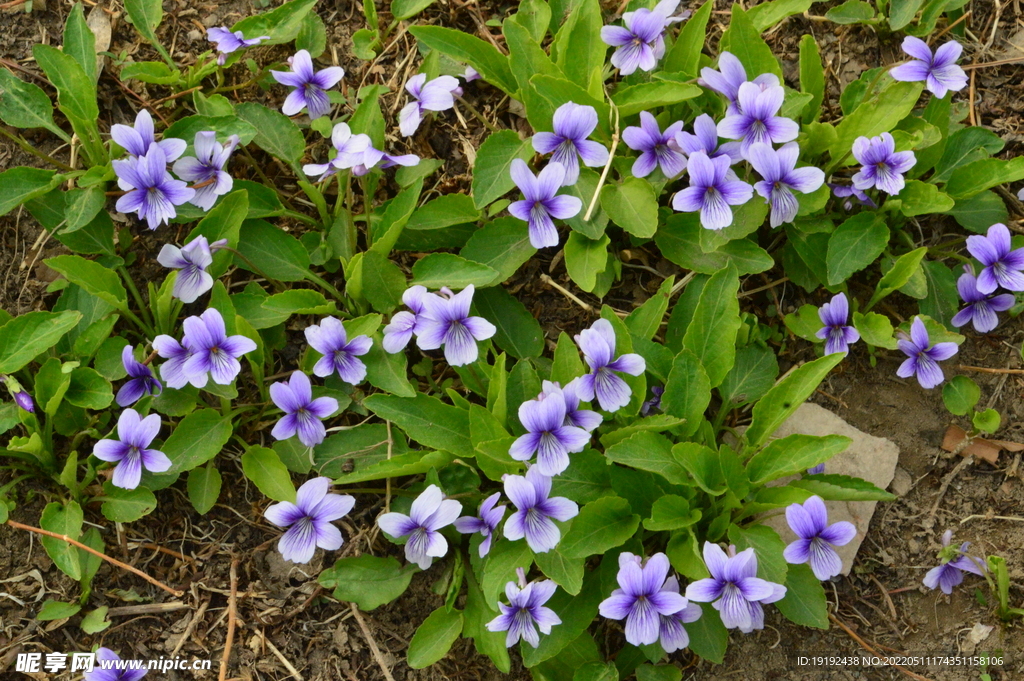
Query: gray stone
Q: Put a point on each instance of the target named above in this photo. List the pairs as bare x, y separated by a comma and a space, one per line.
868, 457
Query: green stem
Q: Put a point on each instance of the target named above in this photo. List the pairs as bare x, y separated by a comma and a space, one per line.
301, 217
225, 407
317, 197
319, 281
27, 147
135, 294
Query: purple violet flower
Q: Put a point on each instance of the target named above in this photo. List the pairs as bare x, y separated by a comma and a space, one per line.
471, 74
843, 192
654, 147
816, 470
142, 380
24, 400
138, 139
711, 191
207, 168
445, 321
173, 370
780, 177
228, 42
309, 519
598, 346
1000, 265
881, 165
923, 357
130, 451
573, 124
213, 351
430, 512
403, 325
756, 118
547, 436
303, 415
535, 510
673, 635
310, 86
836, 333
372, 156
732, 76
437, 95
705, 139
109, 671
350, 151
955, 561
981, 309
816, 538
524, 610
191, 261
574, 416
151, 191
486, 523
653, 403
339, 353
641, 598
541, 201
939, 71
641, 42
733, 589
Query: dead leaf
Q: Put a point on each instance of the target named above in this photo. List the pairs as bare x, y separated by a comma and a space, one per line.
99, 23
979, 446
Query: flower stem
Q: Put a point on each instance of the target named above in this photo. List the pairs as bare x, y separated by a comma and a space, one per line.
27, 147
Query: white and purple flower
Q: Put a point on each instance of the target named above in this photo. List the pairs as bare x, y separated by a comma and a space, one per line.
106, 668
303, 415
938, 71
142, 381
403, 325
955, 561
816, 538
981, 308
339, 354
572, 124
731, 76
430, 512
525, 612
138, 139
923, 357
130, 451
445, 322
228, 41
437, 95
191, 261
1001, 264
705, 139
881, 165
574, 416
151, 192
206, 168
673, 635
309, 520
311, 86
780, 178
734, 589
535, 510
598, 346
711, 192
641, 42
486, 523
642, 599
654, 147
350, 151
837, 334
756, 119
213, 353
547, 435
541, 201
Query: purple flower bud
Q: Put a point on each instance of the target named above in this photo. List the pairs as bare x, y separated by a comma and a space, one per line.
24, 400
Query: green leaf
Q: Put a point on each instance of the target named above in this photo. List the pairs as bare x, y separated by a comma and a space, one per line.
708, 636
383, 282
153, 72
649, 452
841, 488
751, 376
712, 331
684, 57
687, 391
986, 421
960, 395
51, 385
783, 399
146, 15
805, 602
578, 48
851, 12
564, 571
63, 520
793, 454
743, 39
55, 610
966, 146
632, 205
93, 277
679, 240
703, 464
584, 190
278, 254
31, 334
88, 389
76, 94
921, 198
204, 487
368, 581
225, 126
661, 672
518, 331
585, 480
492, 172
126, 505
446, 269
503, 245
500, 568
854, 245
434, 637
22, 184
878, 113
275, 133
444, 211
943, 300
525, 51
671, 512
904, 268
875, 329
282, 23
467, 48
427, 420
980, 212
25, 105
312, 35
600, 526
263, 466
406, 9
585, 259
196, 439
82, 206
597, 671
768, 548
812, 76
643, 96
768, 14
977, 176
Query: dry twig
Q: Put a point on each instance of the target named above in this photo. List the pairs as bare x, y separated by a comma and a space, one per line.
372, 643
232, 612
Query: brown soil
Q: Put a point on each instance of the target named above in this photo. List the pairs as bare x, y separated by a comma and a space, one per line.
279, 604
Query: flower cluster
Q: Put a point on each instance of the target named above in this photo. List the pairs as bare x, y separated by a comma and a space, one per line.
439, 320
1002, 267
